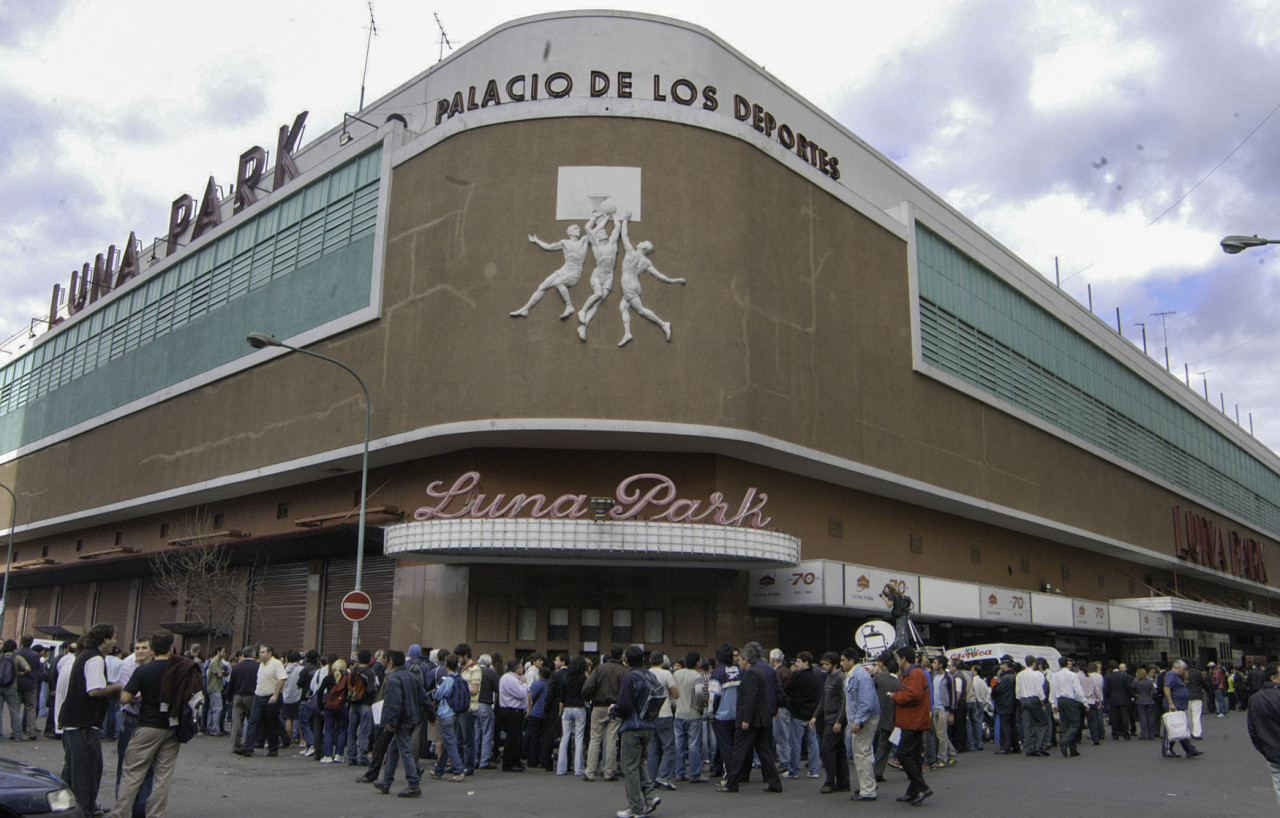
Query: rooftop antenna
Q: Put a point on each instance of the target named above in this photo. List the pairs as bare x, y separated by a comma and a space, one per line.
444, 38
373, 31
1164, 330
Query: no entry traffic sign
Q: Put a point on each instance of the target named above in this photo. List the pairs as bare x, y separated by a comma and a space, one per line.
356, 606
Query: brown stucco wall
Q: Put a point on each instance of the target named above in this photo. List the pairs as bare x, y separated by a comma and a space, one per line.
794, 324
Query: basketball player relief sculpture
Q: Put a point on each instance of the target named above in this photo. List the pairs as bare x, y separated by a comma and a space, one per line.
602, 230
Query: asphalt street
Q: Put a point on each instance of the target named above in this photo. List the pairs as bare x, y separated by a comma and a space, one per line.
1114, 778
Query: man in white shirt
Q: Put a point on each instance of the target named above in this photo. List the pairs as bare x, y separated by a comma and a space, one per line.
111, 727
265, 716
1029, 688
662, 757
1067, 697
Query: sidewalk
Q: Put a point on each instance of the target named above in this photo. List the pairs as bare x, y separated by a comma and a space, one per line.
1116, 778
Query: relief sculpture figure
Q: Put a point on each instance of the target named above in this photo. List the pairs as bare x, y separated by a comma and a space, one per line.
634, 264
604, 247
575, 255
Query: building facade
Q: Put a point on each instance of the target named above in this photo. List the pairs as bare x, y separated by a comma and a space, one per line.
656, 352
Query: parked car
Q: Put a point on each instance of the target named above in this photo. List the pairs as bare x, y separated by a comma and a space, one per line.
28, 790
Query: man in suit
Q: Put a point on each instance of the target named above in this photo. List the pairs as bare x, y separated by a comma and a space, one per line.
1117, 692
757, 704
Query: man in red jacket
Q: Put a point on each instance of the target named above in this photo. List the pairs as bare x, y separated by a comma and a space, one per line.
911, 717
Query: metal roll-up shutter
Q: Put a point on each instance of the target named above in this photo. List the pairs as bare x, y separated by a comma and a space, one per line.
153, 608
16, 615
40, 610
279, 612
115, 601
378, 581
74, 607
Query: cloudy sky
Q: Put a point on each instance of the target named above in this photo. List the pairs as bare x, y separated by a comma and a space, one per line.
1122, 139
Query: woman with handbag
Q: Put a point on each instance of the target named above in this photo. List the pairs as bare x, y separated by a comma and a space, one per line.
1177, 700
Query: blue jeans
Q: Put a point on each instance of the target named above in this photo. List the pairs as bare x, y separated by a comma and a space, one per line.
305, 714
335, 733
1275, 778
802, 732
449, 746
1220, 700
466, 739
359, 726
976, 718
573, 726
689, 747
129, 723
662, 749
400, 750
483, 734
782, 738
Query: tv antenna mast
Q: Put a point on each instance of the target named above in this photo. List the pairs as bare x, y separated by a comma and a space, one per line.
373, 32
444, 38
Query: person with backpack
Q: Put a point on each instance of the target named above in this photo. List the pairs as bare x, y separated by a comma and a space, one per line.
333, 693
641, 698
11, 667
362, 692
307, 702
452, 696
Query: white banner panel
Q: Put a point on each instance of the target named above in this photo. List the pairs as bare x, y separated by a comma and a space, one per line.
940, 597
1154, 623
1125, 620
813, 582
1090, 614
1004, 604
1051, 610
862, 586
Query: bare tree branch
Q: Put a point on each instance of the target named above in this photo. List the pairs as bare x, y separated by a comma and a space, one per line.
200, 579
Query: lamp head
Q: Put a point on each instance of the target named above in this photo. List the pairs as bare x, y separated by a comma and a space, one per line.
258, 340
1235, 244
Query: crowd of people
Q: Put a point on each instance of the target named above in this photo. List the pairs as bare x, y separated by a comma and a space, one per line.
656, 721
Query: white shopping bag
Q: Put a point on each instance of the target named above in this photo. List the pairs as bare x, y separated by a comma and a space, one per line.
895, 738
1175, 725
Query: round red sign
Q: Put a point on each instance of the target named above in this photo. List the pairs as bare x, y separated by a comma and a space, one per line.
356, 606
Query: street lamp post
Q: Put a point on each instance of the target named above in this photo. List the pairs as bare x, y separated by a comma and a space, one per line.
1235, 244
8, 565
258, 340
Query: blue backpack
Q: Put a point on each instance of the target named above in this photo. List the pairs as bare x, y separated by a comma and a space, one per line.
459, 695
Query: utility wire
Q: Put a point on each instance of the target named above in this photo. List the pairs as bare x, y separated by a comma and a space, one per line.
1215, 167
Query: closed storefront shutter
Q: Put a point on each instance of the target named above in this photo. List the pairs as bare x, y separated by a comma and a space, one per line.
153, 608
378, 581
75, 607
115, 601
279, 606
39, 610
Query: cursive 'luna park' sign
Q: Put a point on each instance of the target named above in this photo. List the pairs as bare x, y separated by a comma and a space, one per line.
638, 494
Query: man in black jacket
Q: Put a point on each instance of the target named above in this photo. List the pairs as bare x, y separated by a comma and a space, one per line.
1004, 698
756, 708
801, 691
829, 719
401, 711
1264, 723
